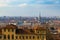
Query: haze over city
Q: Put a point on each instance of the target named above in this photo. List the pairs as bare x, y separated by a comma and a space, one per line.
29, 7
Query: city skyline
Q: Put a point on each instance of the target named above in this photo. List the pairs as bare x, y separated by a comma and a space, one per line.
29, 7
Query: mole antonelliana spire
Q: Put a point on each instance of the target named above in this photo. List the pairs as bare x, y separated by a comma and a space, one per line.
39, 18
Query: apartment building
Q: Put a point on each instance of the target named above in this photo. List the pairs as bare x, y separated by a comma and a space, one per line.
11, 32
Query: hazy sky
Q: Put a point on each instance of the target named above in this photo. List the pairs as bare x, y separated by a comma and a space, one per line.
29, 7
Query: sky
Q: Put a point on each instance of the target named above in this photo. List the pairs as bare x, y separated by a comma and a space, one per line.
46, 8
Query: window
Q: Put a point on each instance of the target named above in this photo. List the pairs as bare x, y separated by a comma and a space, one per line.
19, 37
12, 36
8, 30
8, 36
16, 37
12, 30
0, 37
37, 37
23, 37
52, 28
4, 36
59, 35
33, 37
29, 37
37, 31
26, 37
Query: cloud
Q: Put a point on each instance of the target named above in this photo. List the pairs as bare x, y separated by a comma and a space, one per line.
6, 1
3, 5
22, 5
47, 1
33, 10
57, 2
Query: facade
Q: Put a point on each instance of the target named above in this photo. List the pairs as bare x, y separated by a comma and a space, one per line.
11, 32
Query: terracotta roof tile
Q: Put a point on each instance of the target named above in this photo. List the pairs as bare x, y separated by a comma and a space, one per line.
24, 31
39, 28
11, 26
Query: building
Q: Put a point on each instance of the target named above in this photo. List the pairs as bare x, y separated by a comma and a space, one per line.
56, 36
11, 32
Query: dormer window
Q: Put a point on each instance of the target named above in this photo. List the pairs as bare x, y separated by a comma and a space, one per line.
52, 28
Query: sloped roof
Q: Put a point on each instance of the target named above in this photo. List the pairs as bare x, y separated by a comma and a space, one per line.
24, 31
39, 28
11, 26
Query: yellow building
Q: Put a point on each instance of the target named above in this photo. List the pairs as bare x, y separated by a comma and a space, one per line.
11, 32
